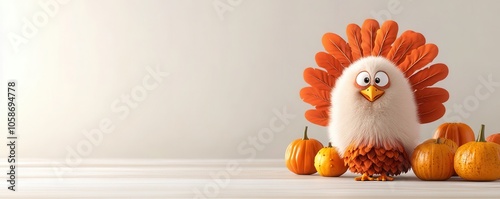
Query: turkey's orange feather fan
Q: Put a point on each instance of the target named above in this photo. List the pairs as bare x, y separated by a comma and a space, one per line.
408, 52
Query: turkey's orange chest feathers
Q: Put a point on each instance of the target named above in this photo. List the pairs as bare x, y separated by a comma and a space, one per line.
373, 160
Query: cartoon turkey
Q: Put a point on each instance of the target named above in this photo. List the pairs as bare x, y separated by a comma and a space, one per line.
373, 93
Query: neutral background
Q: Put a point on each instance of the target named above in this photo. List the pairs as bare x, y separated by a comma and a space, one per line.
230, 72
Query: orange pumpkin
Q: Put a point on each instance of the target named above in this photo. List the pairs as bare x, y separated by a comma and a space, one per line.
328, 163
494, 138
433, 159
448, 142
299, 155
460, 133
479, 160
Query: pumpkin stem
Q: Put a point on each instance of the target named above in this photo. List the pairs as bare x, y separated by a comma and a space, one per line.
305, 135
330, 145
480, 137
438, 140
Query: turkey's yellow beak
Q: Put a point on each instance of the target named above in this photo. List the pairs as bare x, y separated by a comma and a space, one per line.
372, 93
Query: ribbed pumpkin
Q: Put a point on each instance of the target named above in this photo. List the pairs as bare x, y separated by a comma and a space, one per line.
448, 142
433, 159
494, 138
479, 160
299, 155
328, 162
460, 133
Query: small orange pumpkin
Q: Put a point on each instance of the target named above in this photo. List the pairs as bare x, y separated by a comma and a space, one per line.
299, 155
479, 160
460, 133
433, 159
448, 142
494, 138
328, 162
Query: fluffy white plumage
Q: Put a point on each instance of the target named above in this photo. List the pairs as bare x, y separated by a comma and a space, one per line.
390, 119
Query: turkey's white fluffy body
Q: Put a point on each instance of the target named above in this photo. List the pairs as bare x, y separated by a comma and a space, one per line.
391, 119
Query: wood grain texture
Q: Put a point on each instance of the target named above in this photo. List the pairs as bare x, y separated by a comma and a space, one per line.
242, 179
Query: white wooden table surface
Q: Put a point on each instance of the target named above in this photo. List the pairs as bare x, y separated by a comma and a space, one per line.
221, 179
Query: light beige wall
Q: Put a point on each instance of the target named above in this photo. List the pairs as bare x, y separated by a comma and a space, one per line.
224, 79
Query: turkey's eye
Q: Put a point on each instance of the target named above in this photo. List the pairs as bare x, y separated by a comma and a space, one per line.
381, 79
363, 78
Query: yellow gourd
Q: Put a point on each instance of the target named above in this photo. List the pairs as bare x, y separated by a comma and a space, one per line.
328, 162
